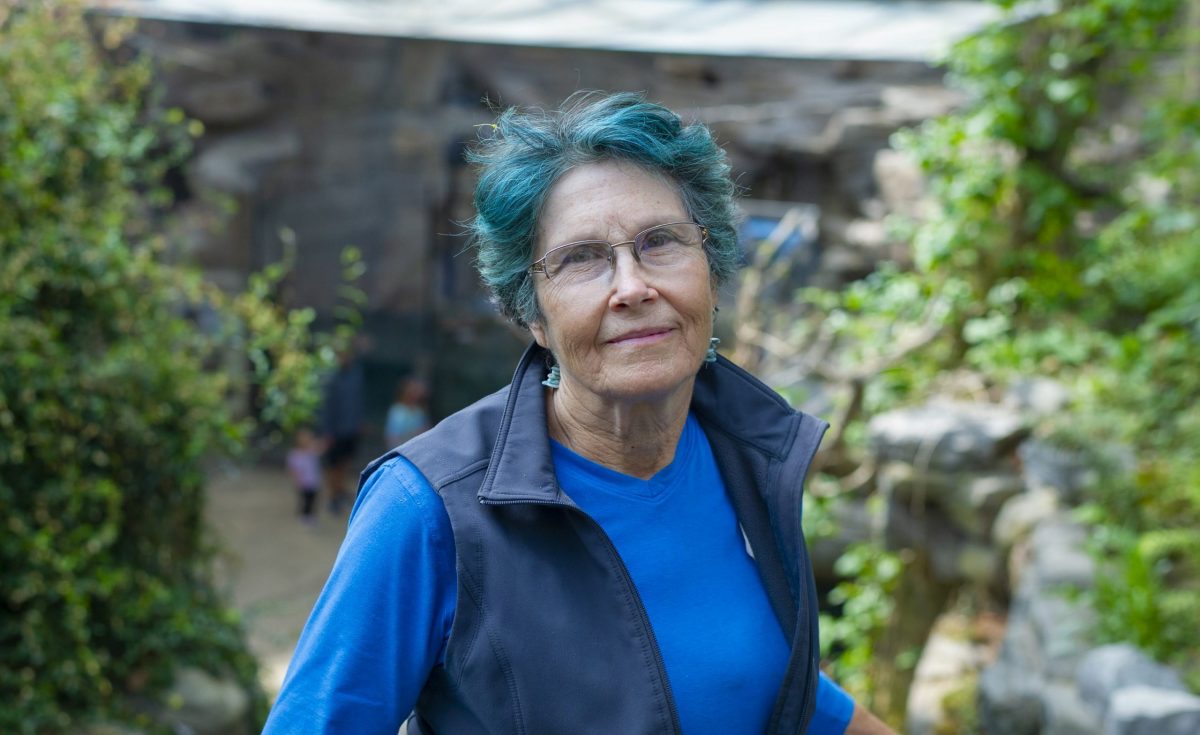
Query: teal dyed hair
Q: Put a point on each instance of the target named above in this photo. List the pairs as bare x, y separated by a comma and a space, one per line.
526, 151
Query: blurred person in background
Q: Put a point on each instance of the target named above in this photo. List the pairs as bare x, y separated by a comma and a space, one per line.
409, 413
304, 467
341, 426
612, 543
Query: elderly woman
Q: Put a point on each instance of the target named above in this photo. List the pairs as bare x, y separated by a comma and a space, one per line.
612, 543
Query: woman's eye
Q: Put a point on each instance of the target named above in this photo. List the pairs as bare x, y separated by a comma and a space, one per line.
657, 239
583, 254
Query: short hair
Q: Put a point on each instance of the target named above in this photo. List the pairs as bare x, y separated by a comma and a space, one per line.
526, 151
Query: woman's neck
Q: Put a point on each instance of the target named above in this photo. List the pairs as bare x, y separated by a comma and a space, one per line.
636, 438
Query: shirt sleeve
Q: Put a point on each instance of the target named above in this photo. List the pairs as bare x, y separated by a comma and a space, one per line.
834, 709
379, 625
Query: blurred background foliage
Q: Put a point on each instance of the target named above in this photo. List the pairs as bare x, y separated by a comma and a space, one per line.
121, 374
1061, 238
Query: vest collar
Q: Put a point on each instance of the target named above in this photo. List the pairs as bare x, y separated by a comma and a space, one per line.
726, 399
521, 469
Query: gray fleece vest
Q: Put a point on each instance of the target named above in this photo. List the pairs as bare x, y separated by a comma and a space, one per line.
549, 635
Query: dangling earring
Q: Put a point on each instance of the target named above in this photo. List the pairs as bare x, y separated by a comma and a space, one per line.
553, 378
711, 355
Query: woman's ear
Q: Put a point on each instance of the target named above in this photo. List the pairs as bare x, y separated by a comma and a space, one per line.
539, 334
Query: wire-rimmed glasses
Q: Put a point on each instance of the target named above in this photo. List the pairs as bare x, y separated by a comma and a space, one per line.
660, 247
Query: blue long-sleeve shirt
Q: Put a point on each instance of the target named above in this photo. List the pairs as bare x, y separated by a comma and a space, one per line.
381, 623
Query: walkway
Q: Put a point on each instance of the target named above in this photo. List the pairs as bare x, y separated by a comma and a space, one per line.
273, 565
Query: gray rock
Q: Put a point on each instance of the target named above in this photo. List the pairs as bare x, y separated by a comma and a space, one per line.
1063, 629
1009, 702
1142, 710
1105, 670
906, 528
944, 664
969, 500
206, 705
1065, 713
945, 657
1040, 396
1020, 514
903, 484
953, 556
1020, 647
1046, 467
976, 563
947, 435
1019, 559
1059, 555
979, 500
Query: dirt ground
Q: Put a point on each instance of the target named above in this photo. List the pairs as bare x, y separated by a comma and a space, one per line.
272, 565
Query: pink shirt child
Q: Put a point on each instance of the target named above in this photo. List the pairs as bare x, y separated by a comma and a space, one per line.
304, 465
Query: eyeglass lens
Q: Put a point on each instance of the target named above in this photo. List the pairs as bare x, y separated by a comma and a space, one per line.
663, 246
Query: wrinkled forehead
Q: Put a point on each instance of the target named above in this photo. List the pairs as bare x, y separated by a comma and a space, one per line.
606, 200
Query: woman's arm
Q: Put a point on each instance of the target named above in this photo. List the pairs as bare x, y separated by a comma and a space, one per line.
379, 625
865, 723
838, 714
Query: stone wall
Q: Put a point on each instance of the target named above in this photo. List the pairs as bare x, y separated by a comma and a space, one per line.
988, 506
349, 140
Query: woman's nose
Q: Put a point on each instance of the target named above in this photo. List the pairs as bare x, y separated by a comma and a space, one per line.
629, 285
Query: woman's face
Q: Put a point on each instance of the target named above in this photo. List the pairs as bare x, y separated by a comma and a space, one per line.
638, 335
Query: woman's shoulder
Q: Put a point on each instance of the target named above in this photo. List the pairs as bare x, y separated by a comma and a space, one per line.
397, 496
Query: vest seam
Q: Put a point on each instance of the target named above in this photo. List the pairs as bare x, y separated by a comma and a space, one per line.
502, 657
473, 634
474, 589
460, 474
497, 649
787, 709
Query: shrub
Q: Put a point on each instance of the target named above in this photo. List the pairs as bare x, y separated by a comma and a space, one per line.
109, 401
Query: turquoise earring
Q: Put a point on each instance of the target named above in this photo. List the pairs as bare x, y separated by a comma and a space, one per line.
711, 355
553, 378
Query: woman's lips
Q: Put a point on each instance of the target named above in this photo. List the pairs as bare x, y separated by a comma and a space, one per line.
641, 337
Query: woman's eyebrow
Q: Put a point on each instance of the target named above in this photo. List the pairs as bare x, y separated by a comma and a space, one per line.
644, 225
641, 226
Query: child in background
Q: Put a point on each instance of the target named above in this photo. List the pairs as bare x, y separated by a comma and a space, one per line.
407, 415
304, 465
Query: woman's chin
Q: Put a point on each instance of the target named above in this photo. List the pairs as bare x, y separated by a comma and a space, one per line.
640, 383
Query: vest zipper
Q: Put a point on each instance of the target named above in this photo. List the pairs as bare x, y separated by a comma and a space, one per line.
809, 687
641, 608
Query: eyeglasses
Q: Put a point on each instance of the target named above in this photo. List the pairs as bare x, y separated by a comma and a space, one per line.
660, 247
